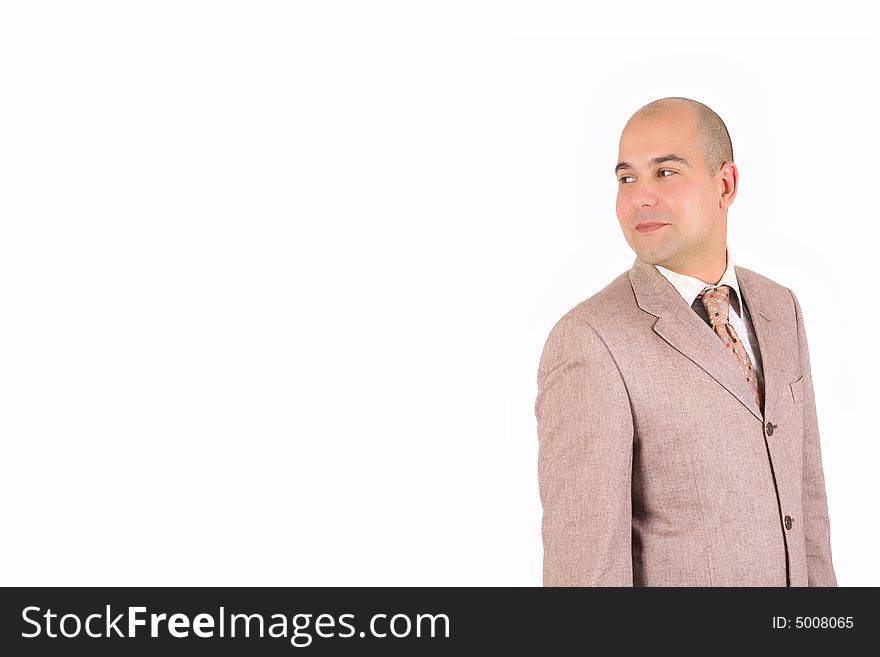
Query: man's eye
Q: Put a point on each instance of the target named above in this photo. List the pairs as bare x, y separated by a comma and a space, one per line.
625, 179
669, 171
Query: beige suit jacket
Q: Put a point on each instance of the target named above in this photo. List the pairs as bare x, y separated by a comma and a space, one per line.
656, 467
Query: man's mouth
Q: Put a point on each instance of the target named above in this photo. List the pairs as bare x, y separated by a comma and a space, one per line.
649, 227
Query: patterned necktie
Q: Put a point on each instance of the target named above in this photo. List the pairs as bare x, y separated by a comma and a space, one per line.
717, 303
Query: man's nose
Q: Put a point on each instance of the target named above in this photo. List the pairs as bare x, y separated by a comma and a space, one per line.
644, 198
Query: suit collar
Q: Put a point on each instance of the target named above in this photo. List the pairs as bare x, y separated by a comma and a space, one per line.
685, 331
691, 287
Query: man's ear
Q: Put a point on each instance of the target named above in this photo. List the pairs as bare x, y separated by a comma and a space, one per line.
728, 179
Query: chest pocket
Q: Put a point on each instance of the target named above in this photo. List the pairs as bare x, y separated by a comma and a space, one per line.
797, 390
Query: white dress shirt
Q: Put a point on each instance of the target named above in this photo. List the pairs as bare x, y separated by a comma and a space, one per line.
690, 289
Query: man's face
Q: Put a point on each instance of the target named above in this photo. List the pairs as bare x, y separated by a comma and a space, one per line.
663, 178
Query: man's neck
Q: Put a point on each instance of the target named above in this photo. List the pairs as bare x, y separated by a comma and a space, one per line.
708, 272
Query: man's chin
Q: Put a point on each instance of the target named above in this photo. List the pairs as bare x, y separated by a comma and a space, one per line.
651, 257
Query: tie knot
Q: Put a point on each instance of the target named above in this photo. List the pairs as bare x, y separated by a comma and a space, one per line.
716, 300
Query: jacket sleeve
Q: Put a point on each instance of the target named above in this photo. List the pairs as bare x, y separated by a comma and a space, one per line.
817, 533
585, 439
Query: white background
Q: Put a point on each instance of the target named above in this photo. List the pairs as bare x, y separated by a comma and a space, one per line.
274, 277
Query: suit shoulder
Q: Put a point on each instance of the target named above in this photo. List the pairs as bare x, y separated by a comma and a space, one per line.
759, 279
774, 299
580, 333
604, 303
768, 287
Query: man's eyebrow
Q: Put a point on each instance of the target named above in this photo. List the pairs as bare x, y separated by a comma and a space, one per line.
670, 157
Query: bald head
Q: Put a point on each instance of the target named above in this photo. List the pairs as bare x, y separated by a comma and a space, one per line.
712, 133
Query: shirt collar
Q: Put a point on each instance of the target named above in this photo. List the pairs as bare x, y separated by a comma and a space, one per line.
690, 287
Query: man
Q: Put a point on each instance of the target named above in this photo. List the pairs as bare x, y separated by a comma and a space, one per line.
678, 441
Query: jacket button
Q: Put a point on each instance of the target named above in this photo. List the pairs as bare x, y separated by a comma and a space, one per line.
788, 522
770, 427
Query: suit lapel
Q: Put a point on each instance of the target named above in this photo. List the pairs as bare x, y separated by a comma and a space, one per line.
764, 308
684, 330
